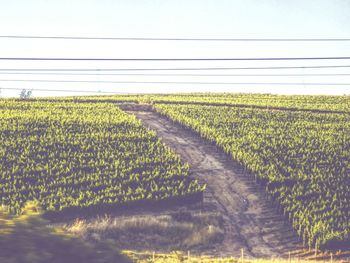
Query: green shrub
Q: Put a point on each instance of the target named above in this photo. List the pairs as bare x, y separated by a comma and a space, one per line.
26, 238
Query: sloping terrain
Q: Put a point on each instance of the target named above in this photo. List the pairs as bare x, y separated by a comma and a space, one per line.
250, 221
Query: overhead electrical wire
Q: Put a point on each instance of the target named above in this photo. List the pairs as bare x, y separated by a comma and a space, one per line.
176, 75
179, 39
175, 82
97, 72
65, 90
174, 69
173, 59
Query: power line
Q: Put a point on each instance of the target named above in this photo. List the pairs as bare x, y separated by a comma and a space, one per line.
174, 69
66, 90
173, 59
180, 39
177, 75
101, 92
174, 82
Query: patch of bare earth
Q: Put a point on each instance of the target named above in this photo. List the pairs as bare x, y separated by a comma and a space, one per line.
249, 220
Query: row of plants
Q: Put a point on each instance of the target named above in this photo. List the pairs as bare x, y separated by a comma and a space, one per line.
69, 155
305, 102
303, 159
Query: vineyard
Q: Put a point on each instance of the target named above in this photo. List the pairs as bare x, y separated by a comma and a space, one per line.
340, 104
72, 156
86, 154
302, 158
317, 103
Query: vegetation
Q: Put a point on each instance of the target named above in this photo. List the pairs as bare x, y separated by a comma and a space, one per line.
180, 257
303, 102
26, 238
306, 102
303, 158
25, 94
92, 157
84, 156
166, 232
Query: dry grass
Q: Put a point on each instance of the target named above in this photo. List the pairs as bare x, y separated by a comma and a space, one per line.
178, 231
177, 257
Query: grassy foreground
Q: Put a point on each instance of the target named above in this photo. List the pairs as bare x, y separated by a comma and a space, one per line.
26, 238
166, 232
177, 257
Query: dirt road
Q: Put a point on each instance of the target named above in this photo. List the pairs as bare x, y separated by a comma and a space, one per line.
250, 221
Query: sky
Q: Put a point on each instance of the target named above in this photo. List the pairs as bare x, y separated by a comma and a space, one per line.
173, 19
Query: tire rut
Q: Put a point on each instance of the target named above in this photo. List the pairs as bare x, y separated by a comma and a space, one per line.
250, 220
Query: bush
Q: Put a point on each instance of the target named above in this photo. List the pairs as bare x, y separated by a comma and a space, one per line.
26, 238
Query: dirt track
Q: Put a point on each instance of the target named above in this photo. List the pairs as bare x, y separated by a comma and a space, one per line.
250, 221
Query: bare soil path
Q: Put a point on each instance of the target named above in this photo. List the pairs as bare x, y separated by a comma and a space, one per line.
250, 221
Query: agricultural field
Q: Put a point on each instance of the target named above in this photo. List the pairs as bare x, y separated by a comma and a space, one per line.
300, 102
239, 165
294, 102
77, 157
302, 159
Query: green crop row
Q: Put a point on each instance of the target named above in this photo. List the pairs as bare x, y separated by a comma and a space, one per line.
303, 159
69, 155
305, 102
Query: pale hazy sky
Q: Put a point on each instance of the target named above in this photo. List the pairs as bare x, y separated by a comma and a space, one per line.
176, 19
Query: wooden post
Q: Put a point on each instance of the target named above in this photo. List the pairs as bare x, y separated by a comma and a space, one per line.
153, 256
316, 249
331, 257
289, 258
242, 255
188, 255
